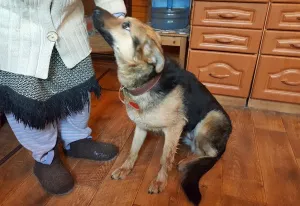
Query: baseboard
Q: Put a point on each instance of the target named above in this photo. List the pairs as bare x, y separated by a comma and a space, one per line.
274, 106
231, 101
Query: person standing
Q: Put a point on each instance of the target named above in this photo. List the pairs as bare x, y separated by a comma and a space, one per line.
46, 77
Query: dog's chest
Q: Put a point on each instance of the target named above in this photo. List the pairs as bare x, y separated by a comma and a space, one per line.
154, 119
157, 113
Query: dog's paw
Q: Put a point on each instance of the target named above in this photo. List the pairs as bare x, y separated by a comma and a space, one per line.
157, 186
120, 173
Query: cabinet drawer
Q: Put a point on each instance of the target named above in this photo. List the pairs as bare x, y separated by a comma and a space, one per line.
278, 79
281, 43
224, 39
223, 73
170, 41
238, 15
286, 1
284, 16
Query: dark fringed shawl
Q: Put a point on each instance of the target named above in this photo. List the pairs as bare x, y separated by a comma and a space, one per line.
37, 114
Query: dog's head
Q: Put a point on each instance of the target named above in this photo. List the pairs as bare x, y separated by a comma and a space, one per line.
133, 42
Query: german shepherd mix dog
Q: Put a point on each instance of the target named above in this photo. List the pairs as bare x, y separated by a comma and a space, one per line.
161, 97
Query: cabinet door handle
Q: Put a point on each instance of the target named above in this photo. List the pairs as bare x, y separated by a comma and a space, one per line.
218, 76
285, 81
224, 40
227, 15
296, 45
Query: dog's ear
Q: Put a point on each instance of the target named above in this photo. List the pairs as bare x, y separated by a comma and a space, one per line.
154, 55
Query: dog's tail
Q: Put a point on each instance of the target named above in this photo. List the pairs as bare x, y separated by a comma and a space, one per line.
192, 175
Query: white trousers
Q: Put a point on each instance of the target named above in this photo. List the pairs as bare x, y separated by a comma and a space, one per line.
42, 142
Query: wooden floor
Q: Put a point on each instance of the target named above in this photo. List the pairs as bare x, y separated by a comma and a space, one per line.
260, 167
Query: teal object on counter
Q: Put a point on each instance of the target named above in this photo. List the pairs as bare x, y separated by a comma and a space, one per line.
170, 14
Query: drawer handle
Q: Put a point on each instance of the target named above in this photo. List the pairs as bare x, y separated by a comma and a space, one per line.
227, 15
298, 18
218, 76
224, 40
297, 45
290, 83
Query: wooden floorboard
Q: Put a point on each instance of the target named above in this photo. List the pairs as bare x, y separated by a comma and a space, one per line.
211, 186
90, 174
233, 201
292, 126
267, 120
127, 188
110, 81
261, 165
29, 192
241, 170
14, 171
8, 143
280, 171
102, 67
143, 197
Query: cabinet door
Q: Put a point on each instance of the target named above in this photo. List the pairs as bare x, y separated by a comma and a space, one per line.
277, 79
229, 14
224, 39
284, 17
223, 73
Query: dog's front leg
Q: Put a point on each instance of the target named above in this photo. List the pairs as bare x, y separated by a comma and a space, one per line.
125, 169
172, 136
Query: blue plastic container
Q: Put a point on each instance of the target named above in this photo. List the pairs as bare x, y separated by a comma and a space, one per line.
170, 14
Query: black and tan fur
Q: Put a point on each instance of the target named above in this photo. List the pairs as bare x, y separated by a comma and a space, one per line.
179, 106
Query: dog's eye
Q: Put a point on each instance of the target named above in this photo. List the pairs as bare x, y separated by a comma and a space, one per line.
126, 25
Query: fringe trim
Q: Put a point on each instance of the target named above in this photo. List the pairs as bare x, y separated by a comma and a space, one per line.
37, 114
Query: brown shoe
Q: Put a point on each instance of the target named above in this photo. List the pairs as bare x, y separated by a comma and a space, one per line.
54, 178
89, 149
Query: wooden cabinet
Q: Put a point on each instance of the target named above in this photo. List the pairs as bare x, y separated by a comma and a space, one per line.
233, 30
248, 49
223, 73
140, 9
278, 79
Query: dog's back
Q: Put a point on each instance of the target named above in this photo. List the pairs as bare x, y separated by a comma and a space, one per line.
198, 101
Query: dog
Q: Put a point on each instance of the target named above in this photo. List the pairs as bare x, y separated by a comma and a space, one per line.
162, 97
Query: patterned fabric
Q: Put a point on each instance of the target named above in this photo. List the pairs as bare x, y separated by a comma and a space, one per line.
42, 142
60, 79
38, 102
